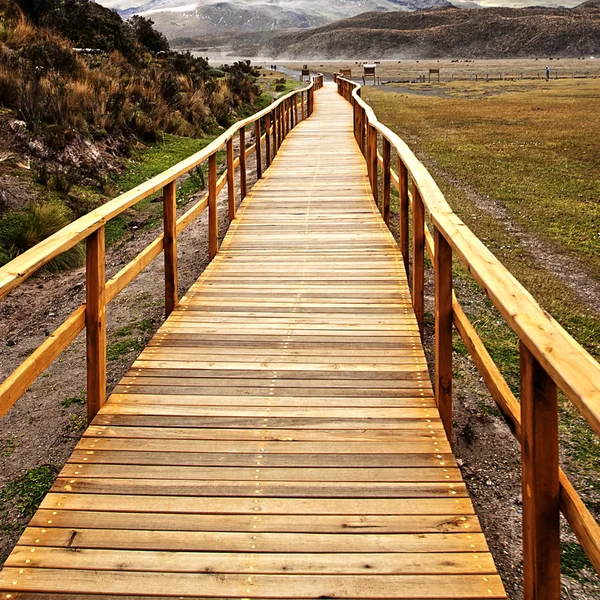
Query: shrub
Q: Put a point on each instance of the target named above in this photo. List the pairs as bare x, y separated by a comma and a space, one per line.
23, 230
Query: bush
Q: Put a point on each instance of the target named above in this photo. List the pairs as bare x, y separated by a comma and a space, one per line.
22, 230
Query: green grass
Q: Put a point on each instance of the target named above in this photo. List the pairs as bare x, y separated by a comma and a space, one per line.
534, 151
79, 399
574, 563
24, 495
9, 445
77, 423
122, 347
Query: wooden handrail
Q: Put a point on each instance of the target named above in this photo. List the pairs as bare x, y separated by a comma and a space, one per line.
550, 357
99, 293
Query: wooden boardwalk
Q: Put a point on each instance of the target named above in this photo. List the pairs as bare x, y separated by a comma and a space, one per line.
279, 437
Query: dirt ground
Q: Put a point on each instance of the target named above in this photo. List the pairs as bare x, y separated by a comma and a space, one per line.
40, 429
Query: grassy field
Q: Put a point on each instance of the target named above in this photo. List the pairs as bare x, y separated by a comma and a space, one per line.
518, 161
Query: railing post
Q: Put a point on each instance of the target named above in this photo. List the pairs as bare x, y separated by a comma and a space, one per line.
387, 164
268, 140
170, 246
418, 258
539, 457
95, 322
303, 102
296, 119
243, 180
443, 329
374, 163
258, 149
274, 125
213, 217
230, 180
403, 210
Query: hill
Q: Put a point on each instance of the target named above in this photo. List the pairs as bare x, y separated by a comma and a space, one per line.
460, 33
201, 18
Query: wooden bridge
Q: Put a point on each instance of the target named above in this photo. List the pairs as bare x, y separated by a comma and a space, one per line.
280, 436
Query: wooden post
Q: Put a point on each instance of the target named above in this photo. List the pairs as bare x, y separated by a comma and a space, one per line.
418, 256
243, 181
303, 102
95, 322
268, 140
374, 163
296, 119
539, 457
230, 180
443, 329
403, 210
213, 217
258, 149
387, 164
274, 125
170, 246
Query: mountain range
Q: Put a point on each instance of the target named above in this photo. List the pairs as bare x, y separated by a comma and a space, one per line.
202, 20
459, 33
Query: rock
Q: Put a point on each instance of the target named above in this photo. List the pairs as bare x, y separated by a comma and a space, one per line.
18, 126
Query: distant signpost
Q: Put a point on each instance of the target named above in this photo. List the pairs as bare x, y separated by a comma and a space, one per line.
305, 73
369, 71
434, 72
346, 73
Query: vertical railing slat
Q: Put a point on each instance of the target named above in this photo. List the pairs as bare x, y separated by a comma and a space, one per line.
403, 212
443, 329
387, 180
170, 246
243, 174
418, 258
213, 217
258, 149
230, 180
539, 457
95, 322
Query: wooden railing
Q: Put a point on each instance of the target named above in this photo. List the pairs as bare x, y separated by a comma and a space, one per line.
550, 358
276, 121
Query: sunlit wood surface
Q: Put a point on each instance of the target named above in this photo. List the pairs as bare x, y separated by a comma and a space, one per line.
279, 437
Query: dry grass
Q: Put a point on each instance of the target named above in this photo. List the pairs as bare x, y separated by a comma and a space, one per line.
532, 152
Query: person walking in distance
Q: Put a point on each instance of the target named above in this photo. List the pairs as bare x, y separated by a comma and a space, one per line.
547, 73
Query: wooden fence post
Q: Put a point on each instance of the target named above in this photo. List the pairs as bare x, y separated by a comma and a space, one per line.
258, 149
296, 108
303, 102
443, 329
387, 164
374, 163
213, 217
230, 180
170, 246
274, 125
418, 258
95, 322
243, 179
539, 457
268, 140
403, 211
